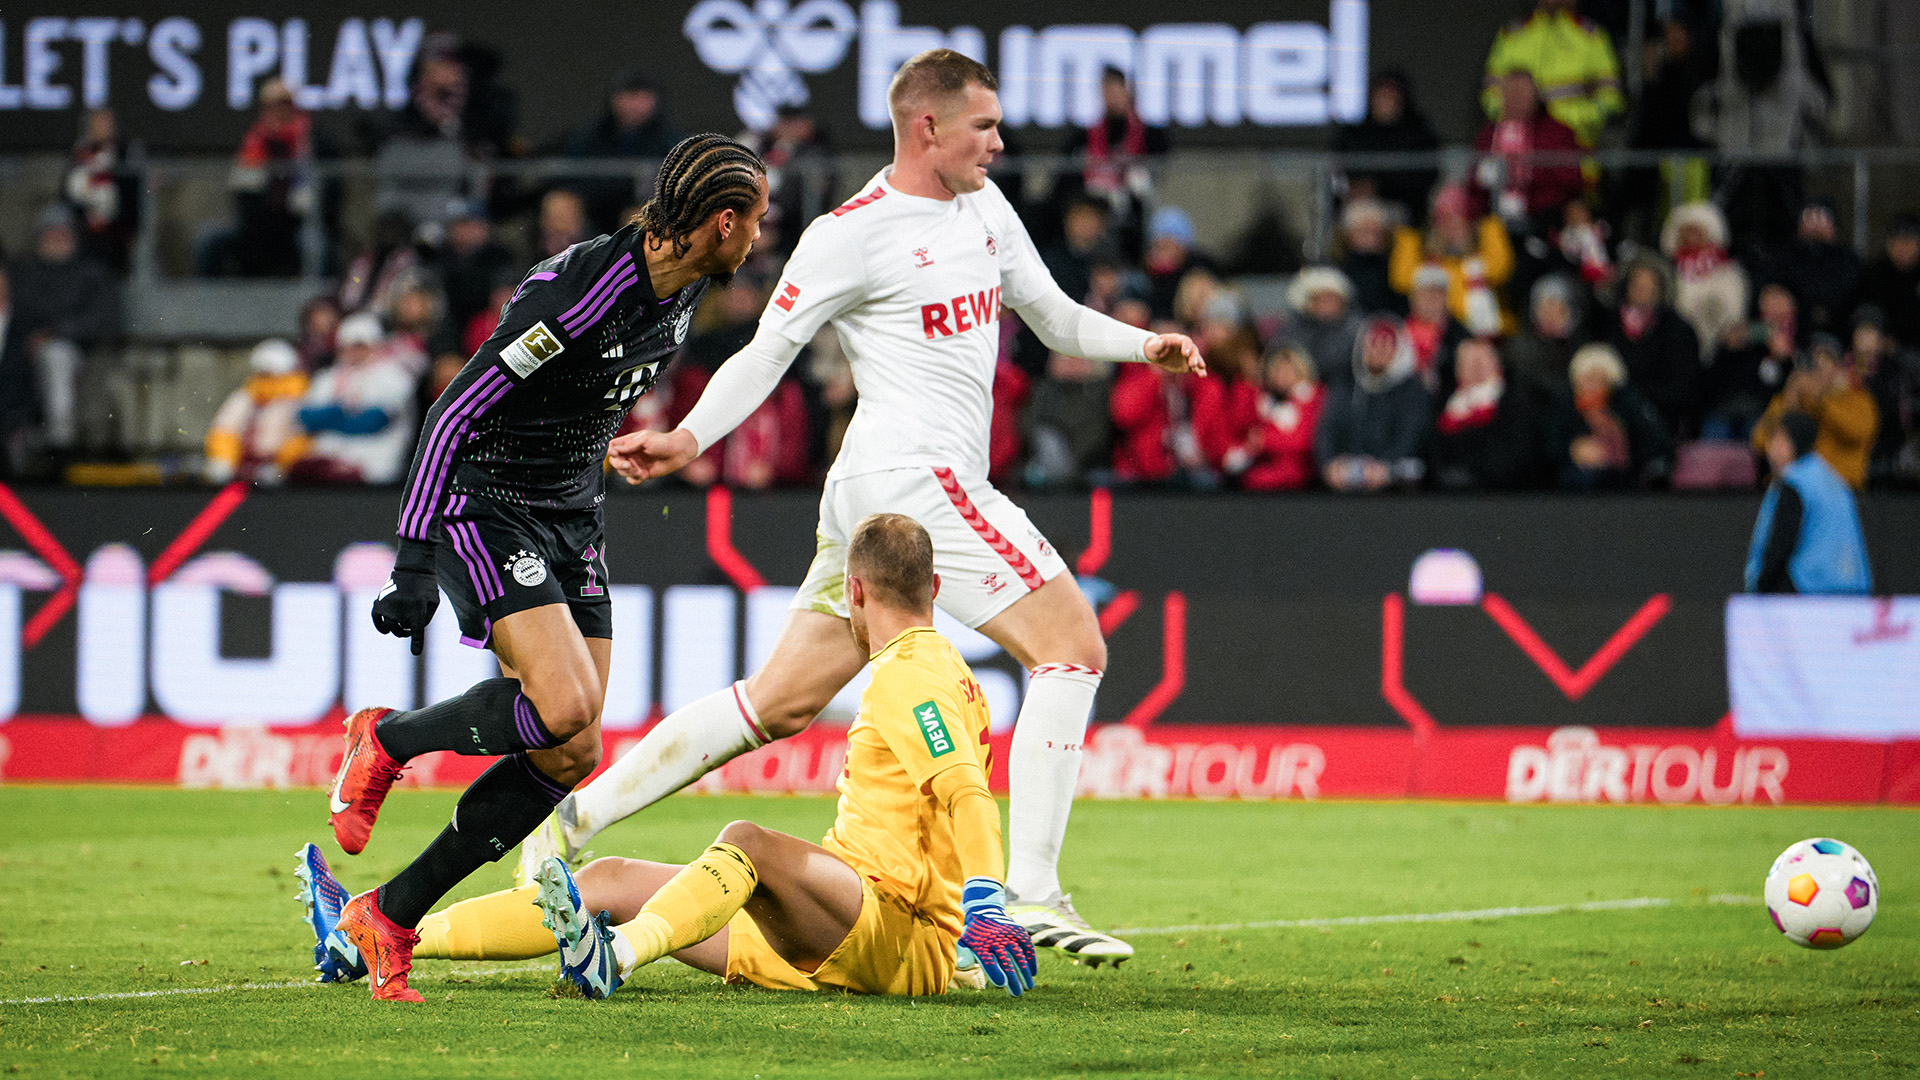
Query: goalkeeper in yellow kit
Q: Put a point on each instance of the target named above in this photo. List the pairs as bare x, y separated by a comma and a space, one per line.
910, 871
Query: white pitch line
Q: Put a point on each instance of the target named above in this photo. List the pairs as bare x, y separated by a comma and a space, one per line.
1423, 916
1628, 904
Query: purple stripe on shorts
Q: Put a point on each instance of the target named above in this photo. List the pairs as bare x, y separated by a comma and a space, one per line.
547, 783
532, 731
601, 306
541, 275
624, 262
476, 563
486, 628
489, 575
418, 512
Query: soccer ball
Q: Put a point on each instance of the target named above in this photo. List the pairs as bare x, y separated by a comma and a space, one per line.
1821, 893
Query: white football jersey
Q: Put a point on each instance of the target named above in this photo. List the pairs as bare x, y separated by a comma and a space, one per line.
915, 287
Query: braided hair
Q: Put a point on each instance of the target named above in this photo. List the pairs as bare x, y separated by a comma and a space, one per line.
701, 176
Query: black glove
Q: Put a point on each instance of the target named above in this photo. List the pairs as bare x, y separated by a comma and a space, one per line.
406, 605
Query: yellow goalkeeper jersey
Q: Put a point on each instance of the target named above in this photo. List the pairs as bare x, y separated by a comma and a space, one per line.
923, 714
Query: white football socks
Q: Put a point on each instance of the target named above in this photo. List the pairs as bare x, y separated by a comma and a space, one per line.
689, 743
1043, 770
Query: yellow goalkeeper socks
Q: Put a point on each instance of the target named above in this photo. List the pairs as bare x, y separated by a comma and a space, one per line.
689, 909
497, 926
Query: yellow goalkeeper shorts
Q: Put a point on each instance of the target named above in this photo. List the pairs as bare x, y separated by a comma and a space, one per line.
892, 949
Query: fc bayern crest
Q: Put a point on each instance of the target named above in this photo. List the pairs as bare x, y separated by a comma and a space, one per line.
527, 569
681, 324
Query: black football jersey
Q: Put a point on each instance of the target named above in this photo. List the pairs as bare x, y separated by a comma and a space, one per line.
528, 419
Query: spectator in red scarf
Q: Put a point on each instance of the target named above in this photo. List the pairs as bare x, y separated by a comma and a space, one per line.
1278, 454
1605, 433
1431, 329
271, 195
1711, 293
1660, 349
1526, 193
1487, 435
1114, 152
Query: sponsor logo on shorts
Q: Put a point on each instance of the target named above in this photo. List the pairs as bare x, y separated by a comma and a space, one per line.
527, 568
1041, 542
992, 583
524, 354
933, 728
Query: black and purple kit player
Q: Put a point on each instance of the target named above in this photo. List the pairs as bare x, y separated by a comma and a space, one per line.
502, 512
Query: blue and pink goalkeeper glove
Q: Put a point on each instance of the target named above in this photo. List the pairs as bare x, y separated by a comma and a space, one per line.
1003, 947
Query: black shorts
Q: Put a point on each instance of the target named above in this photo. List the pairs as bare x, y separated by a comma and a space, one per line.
498, 559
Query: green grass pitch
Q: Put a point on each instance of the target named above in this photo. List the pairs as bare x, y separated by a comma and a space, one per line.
116, 891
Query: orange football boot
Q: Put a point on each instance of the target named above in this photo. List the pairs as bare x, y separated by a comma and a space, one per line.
366, 774
364, 935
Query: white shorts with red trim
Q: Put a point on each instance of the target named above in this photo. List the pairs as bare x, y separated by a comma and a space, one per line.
985, 550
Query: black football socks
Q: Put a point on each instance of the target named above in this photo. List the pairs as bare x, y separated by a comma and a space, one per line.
492, 718
508, 802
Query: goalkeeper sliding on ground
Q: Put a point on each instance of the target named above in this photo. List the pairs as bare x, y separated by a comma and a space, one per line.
910, 870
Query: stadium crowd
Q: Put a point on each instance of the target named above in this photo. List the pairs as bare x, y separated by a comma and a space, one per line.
1534, 323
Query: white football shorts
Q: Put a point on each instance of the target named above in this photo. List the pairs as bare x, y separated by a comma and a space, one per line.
985, 550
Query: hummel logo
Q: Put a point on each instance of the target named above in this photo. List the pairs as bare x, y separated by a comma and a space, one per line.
920, 257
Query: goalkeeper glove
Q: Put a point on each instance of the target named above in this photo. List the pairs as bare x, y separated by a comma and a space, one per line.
1004, 948
407, 603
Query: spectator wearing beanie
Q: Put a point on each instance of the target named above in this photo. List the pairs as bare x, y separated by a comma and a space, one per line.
1808, 537
1366, 230
1325, 323
1477, 256
1710, 289
1171, 254
1660, 349
256, 433
1537, 356
358, 412
1373, 431
1487, 436
1823, 386
1605, 434
1431, 329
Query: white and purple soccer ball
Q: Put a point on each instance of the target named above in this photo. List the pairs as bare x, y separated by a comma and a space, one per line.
1821, 893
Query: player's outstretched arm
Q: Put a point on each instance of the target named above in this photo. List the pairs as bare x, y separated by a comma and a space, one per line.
735, 390
1003, 946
